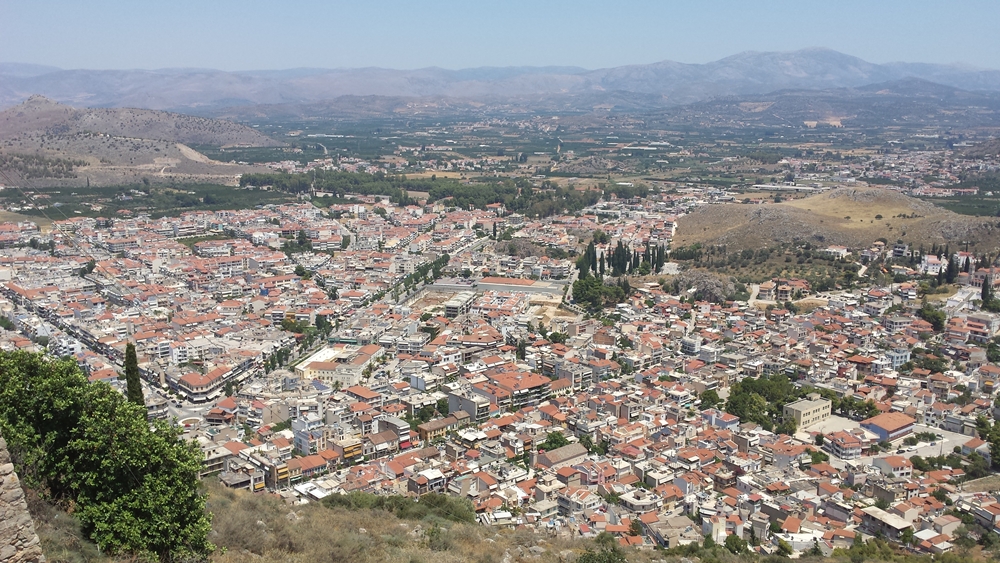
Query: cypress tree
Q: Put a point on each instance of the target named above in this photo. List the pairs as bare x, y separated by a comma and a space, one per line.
132, 383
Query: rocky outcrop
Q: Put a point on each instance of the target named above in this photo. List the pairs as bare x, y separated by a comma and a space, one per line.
18, 541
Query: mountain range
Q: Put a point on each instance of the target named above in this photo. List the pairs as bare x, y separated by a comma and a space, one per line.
662, 84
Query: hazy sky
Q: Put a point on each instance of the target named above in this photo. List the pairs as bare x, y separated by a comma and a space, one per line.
248, 34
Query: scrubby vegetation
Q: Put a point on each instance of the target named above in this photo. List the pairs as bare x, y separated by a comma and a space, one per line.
431, 506
29, 166
362, 528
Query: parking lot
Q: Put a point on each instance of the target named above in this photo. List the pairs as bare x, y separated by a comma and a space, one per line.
942, 446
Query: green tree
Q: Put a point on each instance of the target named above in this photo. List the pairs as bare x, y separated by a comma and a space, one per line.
558, 337
710, 399
906, 537
553, 440
132, 382
787, 426
735, 544
750, 407
934, 316
134, 483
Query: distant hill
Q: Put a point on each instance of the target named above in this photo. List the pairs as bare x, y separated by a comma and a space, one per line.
844, 216
668, 82
119, 145
42, 115
988, 148
909, 101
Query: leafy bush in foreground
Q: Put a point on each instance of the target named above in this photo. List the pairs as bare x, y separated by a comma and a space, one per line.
132, 484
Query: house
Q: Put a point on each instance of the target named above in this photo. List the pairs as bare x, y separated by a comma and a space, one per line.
894, 466
889, 426
721, 420
844, 444
878, 521
980, 447
562, 457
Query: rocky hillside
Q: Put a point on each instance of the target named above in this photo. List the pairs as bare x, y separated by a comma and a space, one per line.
39, 115
118, 146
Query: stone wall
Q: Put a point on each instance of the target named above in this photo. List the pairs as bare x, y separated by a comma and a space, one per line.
18, 541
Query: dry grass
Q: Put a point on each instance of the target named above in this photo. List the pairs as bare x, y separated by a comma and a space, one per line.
8, 217
807, 305
862, 212
986, 484
952, 290
845, 216
262, 528
59, 534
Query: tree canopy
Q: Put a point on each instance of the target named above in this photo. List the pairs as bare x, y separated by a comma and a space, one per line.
518, 195
134, 484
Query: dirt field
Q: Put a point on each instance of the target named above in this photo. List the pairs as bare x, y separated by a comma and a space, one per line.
438, 173
806, 305
547, 308
8, 217
986, 484
431, 301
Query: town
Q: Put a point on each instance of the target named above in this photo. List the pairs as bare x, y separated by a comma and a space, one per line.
559, 372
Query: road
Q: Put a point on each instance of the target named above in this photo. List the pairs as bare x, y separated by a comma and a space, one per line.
54, 325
